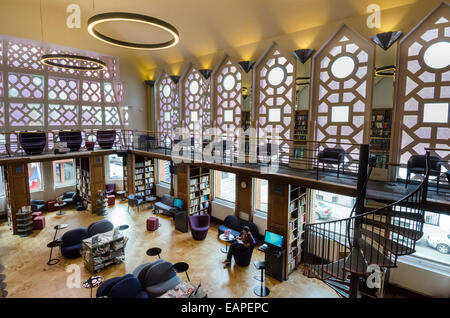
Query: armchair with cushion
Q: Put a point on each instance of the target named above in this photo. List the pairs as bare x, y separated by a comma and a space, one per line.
33, 143
106, 138
72, 242
199, 225
37, 205
335, 156
69, 197
235, 225
135, 200
243, 257
166, 205
127, 286
98, 227
110, 188
417, 165
72, 138
156, 278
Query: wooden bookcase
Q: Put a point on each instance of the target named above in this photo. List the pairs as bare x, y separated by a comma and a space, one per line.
144, 176
83, 180
199, 190
296, 223
380, 141
90, 179
300, 136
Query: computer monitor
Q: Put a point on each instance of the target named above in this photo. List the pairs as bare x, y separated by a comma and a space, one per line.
273, 240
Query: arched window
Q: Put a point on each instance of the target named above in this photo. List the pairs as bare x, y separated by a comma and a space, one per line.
275, 97
342, 91
193, 102
423, 88
227, 98
167, 111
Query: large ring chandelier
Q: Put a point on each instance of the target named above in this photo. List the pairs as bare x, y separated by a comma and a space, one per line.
90, 64
132, 17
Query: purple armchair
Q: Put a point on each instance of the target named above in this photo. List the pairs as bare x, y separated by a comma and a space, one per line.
110, 188
73, 139
199, 225
106, 138
33, 143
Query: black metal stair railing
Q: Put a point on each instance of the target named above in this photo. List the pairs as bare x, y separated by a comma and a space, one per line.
348, 246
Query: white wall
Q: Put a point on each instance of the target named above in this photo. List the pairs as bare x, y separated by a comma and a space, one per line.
161, 190
49, 192
421, 276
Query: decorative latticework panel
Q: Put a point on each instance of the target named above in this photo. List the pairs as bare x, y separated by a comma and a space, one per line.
1, 84
62, 89
206, 103
228, 98
424, 88
112, 116
167, 105
91, 116
25, 85
109, 93
2, 116
91, 92
111, 69
25, 56
193, 102
68, 62
62, 115
1, 53
275, 98
342, 91
26, 115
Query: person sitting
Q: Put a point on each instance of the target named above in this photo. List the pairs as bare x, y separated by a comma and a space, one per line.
243, 241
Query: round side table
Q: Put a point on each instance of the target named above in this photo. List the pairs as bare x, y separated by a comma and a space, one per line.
60, 206
92, 282
181, 267
226, 239
154, 251
51, 245
59, 227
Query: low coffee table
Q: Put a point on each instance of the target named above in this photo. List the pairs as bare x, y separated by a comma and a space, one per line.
60, 206
226, 239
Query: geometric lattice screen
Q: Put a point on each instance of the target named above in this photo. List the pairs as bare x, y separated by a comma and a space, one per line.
38, 97
275, 98
193, 99
342, 91
227, 98
423, 86
167, 106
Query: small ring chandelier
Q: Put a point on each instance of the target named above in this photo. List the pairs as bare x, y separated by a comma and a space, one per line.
132, 17
51, 60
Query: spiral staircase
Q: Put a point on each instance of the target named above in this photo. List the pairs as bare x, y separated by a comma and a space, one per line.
344, 252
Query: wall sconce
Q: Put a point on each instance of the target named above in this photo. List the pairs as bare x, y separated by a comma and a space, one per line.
385, 40
304, 55
386, 71
246, 66
206, 73
150, 83
174, 78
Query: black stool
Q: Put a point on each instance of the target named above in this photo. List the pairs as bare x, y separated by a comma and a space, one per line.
261, 291
51, 245
154, 251
181, 267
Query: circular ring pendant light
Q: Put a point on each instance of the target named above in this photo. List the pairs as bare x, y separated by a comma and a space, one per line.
52, 60
132, 17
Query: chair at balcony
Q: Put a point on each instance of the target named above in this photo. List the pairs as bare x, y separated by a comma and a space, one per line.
147, 142
417, 165
334, 156
106, 138
72, 138
33, 143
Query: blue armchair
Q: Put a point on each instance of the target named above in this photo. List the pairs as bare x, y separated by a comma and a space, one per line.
69, 197
127, 286
37, 205
156, 278
135, 200
98, 227
72, 242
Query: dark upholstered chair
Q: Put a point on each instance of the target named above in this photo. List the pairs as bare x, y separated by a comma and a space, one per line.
156, 278
235, 225
110, 188
37, 205
199, 225
101, 226
72, 242
33, 143
333, 156
147, 142
165, 205
69, 197
244, 256
72, 138
135, 200
106, 138
126, 286
417, 165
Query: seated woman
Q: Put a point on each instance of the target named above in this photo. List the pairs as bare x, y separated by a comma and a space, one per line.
243, 241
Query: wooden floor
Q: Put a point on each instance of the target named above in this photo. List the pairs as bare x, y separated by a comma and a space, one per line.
28, 275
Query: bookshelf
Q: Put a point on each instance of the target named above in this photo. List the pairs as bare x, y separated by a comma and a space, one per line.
380, 141
300, 136
83, 180
199, 201
296, 222
90, 178
144, 177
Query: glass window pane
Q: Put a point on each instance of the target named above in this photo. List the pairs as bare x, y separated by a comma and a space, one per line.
261, 193
115, 167
164, 171
225, 186
35, 180
328, 206
339, 114
435, 113
64, 172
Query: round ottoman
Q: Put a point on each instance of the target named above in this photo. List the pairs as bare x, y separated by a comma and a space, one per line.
152, 223
39, 223
36, 214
